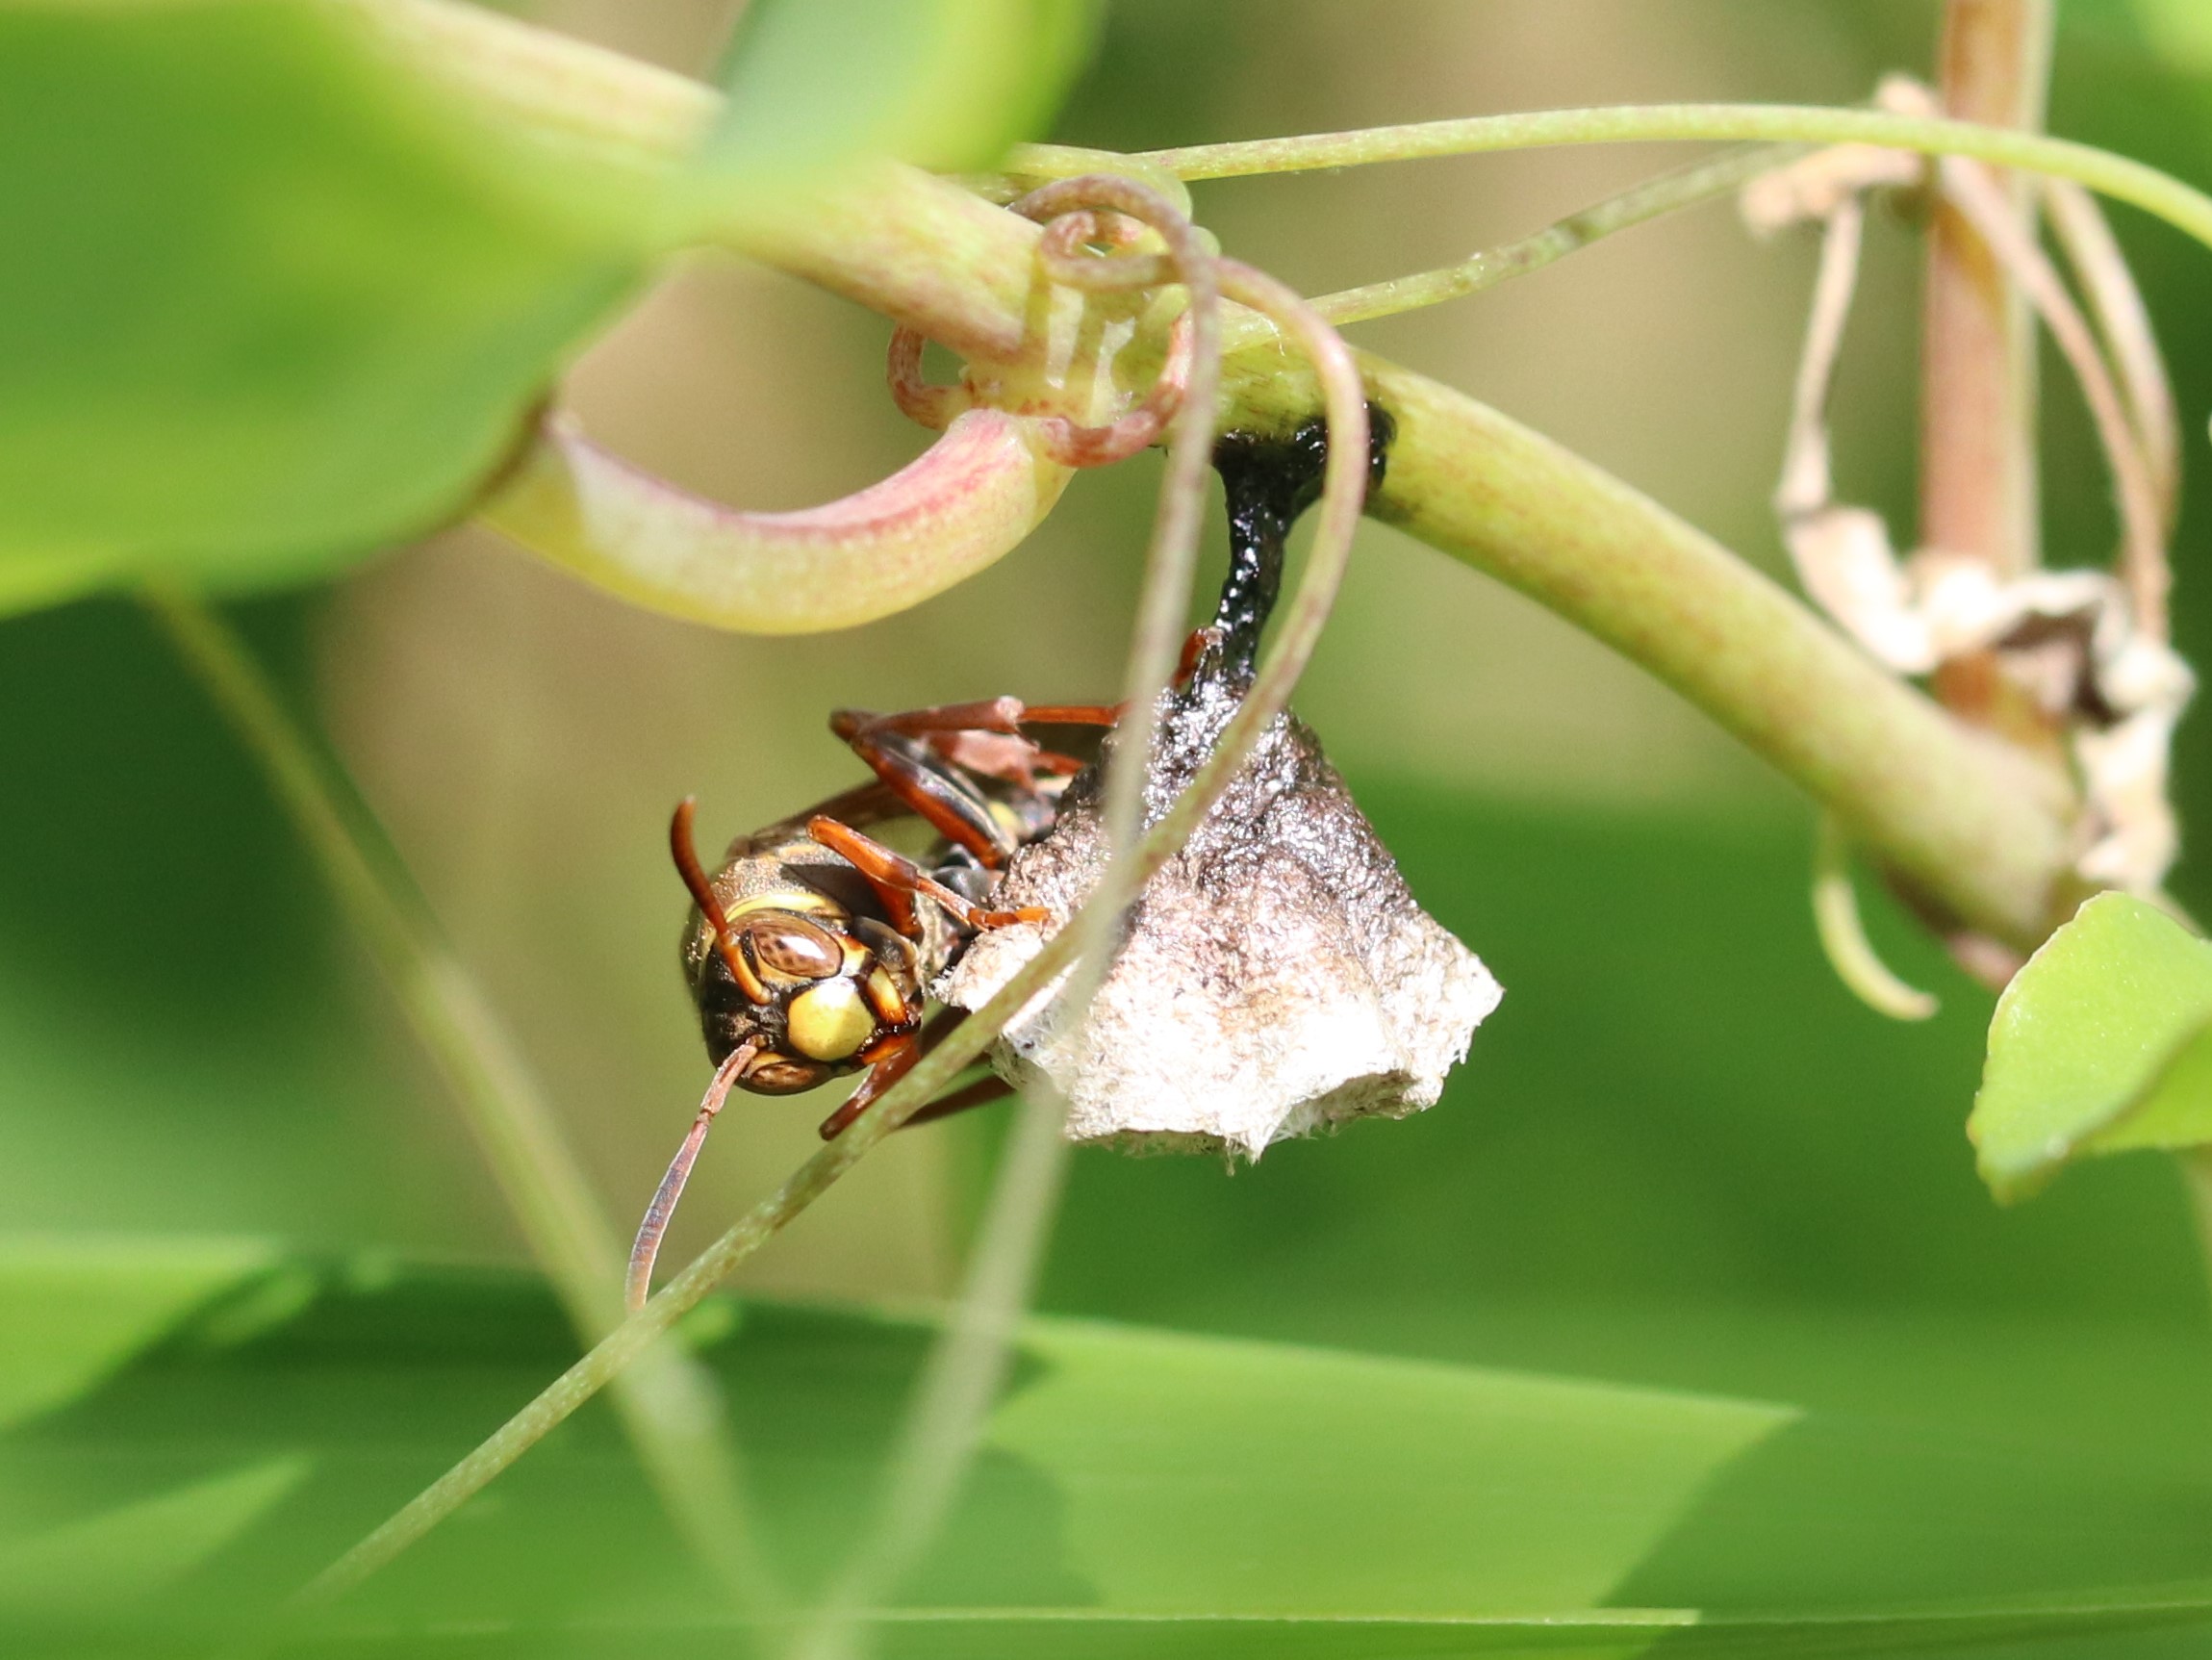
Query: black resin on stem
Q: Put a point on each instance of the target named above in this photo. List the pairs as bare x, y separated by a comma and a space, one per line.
1269, 481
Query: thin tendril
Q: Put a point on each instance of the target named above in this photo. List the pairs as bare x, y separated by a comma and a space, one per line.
961, 1378
1843, 936
667, 1406
2117, 176
2134, 475
1654, 199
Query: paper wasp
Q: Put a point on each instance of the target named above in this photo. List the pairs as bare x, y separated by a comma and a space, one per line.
810, 951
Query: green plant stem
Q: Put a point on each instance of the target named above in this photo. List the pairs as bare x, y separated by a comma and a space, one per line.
1163, 606
605, 1361
1667, 193
671, 1409
969, 1360
939, 263
1973, 824
2103, 171
1982, 833
960, 1381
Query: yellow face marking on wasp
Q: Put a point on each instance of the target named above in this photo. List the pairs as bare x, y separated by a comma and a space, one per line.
830, 1021
785, 898
884, 997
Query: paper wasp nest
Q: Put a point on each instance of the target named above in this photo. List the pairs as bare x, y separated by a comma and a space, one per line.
1276, 977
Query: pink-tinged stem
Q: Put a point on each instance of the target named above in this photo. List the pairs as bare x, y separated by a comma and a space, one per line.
967, 501
1978, 492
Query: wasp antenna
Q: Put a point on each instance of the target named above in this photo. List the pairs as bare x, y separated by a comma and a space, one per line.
648, 1245
686, 854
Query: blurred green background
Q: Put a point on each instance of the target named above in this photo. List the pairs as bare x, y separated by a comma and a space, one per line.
1680, 1153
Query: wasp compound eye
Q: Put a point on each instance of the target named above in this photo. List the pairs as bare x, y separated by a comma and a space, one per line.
792, 948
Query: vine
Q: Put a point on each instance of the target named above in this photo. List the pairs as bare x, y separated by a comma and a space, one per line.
1978, 830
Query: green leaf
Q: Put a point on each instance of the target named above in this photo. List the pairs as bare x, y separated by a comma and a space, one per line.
275, 299
1137, 1493
2103, 1042
2179, 32
270, 300
815, 84
81, 1310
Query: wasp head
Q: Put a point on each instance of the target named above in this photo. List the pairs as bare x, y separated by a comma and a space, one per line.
813, 991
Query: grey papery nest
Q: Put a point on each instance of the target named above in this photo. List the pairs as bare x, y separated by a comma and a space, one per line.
1275, 978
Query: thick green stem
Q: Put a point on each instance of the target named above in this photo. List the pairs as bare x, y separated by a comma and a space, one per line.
1969, 820
1982, 833
669, 1407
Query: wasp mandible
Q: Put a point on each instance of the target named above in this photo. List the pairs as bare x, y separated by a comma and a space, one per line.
810, 951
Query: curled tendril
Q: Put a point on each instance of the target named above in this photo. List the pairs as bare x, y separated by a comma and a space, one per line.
1096, 212
919, 402
1062, 251
1077, 203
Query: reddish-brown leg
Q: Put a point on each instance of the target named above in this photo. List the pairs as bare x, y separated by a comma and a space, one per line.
894, 1058
1193, 649
1070, 714
991, 715
984, 737
1008, 715
893, 1061
980, 1093
936, 792
897, 879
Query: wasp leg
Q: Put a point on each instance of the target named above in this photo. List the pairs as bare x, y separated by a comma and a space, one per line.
893, 1061
1008, 715
1195, 646
1070, 714
978, 738
896, 1058
980, 1093
933, 787
897, 880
